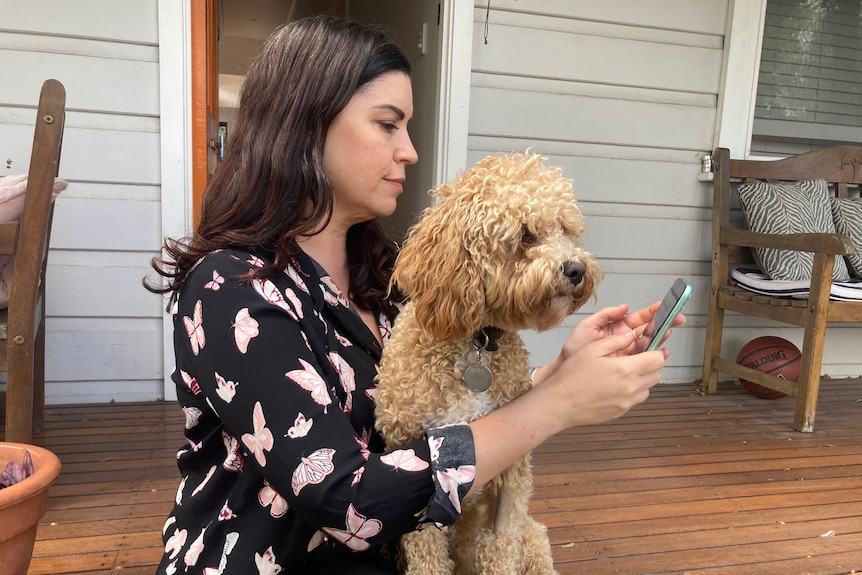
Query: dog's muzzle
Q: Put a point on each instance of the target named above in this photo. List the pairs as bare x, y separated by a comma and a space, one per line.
574, 272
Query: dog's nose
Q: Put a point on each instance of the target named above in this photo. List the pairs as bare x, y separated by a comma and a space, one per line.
574, 271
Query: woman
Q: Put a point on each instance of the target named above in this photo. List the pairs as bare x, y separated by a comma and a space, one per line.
281, 313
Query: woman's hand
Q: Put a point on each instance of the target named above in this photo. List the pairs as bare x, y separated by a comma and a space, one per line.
609, 321
599, 382
602, 368
597, 377
636, 321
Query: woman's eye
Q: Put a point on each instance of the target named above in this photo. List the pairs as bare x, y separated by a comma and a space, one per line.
388, 126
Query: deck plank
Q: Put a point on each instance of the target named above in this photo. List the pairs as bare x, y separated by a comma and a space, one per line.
684, 484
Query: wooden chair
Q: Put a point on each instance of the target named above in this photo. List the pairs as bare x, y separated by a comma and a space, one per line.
22, 353
731, 245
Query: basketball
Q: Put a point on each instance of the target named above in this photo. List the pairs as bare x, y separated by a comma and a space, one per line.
770, 354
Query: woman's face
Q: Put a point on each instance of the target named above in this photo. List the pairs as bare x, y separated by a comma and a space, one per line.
368, 148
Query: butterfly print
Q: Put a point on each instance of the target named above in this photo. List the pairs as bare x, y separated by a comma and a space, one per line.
195, 329
214, 385
385, 327
261, 439
180, 489
229, 543
316, 541
329, 297
175, 542
312, 469
451, 479
434, 443
346, 376
333, 292
269, 292
405, 459
193, 414
295, 302
363, 443
343, 340
293, 274
216, 282
269, 496
170, 521
301, 427
226, 513
190, 382
225, 389
194, 552
245, 329
266, 564
234, 460
309, 380
359, 529
206, 479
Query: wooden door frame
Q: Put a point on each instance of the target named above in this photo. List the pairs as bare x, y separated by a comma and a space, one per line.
204, 80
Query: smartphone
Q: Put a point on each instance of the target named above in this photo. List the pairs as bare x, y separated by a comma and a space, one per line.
670, 307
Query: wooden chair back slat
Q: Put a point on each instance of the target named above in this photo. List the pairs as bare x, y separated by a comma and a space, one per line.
28, 241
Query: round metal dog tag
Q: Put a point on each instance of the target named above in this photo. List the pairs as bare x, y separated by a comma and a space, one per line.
478, 378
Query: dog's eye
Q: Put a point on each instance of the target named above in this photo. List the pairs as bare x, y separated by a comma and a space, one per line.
528, 238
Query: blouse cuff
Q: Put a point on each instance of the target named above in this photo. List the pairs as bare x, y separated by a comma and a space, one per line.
453, 466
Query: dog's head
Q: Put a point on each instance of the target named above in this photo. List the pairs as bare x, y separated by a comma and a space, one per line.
501, 247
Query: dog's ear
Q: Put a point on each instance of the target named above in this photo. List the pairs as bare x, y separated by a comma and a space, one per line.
437, 274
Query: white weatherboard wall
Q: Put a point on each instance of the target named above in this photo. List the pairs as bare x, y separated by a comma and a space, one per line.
624, 96
104, 331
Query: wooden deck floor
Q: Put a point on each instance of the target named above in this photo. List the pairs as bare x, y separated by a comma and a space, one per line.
683, 484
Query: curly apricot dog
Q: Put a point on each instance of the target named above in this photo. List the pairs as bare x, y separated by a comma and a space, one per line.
500, 252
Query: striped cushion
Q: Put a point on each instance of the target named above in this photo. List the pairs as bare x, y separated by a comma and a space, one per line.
847, 213
789, 208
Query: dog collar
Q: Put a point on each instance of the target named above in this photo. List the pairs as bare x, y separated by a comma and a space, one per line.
486, 338
478, 377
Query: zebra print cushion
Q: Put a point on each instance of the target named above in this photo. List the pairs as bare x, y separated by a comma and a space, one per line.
789, 208
847, 214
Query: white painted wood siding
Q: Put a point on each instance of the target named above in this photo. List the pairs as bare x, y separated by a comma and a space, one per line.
104, 331
622, 94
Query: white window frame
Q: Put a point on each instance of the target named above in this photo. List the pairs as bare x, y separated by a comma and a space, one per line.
743, 42
176, 144
455, 65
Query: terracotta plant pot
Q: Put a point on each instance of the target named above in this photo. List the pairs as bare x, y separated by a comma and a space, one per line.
22, 505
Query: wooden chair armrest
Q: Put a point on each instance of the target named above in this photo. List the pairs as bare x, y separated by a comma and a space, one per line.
823, 243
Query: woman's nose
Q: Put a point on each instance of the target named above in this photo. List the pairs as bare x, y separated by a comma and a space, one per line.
406, 152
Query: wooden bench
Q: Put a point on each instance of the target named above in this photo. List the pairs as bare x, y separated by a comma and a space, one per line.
22, 342
731, 245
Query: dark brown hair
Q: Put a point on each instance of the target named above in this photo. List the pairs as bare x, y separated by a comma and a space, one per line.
271, 188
